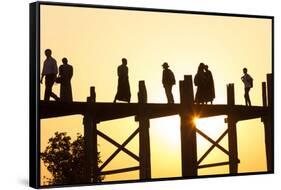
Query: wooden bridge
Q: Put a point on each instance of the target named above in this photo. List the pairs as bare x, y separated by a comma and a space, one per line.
96, 112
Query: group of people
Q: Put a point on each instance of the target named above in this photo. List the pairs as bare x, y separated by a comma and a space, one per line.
123, 89
205, 84
203, 80
54, 75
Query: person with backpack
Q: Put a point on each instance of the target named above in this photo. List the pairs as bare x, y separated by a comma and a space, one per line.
248, 84
168, 80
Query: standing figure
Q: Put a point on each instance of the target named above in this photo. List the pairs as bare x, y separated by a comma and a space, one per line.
123, 89
168, 80
65, 75
50, 71
210, 88
200, 82
248, 84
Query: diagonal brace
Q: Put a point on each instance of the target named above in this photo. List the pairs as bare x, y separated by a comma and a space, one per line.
215, 143
119, 148
216, 164
118, 145
117, 171
212, 147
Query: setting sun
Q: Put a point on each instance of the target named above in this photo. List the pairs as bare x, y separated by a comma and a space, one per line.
195, 120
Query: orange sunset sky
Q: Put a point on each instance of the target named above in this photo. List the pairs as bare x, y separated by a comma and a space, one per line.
95, 40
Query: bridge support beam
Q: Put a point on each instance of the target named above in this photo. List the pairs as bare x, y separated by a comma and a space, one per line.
91, 144
144, 141
268, 132
268, 126
188, 129
232, 146
232, 133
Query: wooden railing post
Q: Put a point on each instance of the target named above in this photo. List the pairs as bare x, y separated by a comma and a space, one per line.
188, 129
91, 144
264, 101
230, 94
269, 89
232, 134
144, 141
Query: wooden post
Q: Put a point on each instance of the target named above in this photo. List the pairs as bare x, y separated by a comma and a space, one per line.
269, 90
91, 144
268, 126
264, 103
230, 94
92, 97
188, 129
232, 134
144, 141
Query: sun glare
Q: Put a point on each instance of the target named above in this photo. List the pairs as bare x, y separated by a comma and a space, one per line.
195, 120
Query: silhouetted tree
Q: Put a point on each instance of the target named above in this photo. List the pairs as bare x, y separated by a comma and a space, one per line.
65, 160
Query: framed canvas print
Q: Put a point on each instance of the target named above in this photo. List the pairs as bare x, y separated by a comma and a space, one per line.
122, 94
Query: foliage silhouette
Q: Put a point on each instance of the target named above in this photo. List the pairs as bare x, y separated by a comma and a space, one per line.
65, 160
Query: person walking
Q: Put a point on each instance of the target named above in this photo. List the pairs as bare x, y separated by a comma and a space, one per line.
248, 84
65, 75
168, 80
210, 87
50, 71
123, 89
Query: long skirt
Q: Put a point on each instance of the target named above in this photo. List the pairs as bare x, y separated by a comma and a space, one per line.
66, 92
123, 90
200, 95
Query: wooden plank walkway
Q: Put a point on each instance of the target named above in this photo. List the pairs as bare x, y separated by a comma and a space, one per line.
110, 111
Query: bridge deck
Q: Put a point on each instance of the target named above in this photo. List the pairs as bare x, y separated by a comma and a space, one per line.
111, 111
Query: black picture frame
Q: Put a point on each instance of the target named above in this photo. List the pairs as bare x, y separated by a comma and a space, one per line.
34, 90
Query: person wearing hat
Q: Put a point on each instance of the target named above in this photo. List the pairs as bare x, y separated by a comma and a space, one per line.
168, 80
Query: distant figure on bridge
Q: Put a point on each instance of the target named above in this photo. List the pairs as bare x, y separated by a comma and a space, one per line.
123, 89
50, 71
248, 84
168, 80
65, 75
200, 82
210, 87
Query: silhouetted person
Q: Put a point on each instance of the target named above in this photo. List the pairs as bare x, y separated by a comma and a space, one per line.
210, 88
248, 84
65, 75
200, 82
142, 94
123, 89
50, 71
168, 80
